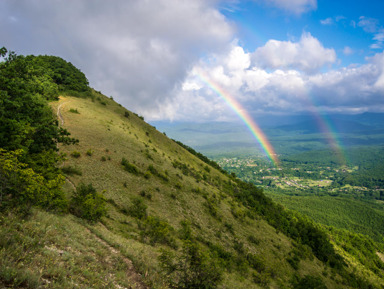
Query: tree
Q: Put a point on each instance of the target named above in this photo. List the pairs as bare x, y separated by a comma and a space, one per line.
22, 187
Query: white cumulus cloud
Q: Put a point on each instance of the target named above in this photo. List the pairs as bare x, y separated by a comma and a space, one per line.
349, 89
308, 54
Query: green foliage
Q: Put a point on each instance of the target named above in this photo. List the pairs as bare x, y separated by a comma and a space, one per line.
154, 230
155, 172
294, 225
71, 171
212, 203
138, 208
185, 232
361, 247
89, 152
131, 168
22, 187
194, 269
75, 154
74, 110
26, 120
310, 282
202, 157
88, 204
256, 262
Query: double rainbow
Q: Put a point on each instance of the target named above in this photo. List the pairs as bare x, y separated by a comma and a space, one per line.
245, 117
325, 125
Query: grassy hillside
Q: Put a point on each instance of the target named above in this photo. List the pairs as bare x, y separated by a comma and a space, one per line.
174, 185
163, 197
154, 213
165, 208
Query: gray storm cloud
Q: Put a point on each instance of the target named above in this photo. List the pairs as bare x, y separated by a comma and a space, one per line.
136, 51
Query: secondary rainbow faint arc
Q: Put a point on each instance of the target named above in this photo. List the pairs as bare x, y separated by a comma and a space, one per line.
245, 117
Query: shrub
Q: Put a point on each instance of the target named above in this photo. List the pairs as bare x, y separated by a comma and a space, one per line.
126, 114
212, 205
69, 170
138, 209
145, 194
129, 167
74, 110
89, 152
75, 154
256, 262
252, 239
178, 186
88, 204
147, 175
185, 233
155, 231
155, 172
310, 282
103, 159
194, 269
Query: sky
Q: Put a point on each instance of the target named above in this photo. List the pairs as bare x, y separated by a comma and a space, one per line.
272, 56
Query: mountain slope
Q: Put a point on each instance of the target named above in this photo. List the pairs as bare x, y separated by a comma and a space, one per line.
151, 212
182, 194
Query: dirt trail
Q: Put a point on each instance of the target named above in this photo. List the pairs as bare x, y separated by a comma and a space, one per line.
381, 256
132, 275
59, 116
70, 182
61, 120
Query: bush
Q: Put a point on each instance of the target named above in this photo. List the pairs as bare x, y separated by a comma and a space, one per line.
129, 167
256, 262
74, 110
69, 170
145, 194
194, 269
138, 209
310, 282
75, 154
89, 152
155, 172
155, 231
88, 204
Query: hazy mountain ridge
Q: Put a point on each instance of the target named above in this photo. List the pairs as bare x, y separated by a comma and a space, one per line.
284, 132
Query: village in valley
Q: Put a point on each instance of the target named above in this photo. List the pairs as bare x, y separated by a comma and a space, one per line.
293, 176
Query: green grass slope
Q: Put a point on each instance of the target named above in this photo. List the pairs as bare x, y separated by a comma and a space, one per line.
172, 220
175, 186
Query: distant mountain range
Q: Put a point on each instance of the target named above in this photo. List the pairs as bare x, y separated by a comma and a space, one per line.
288, 134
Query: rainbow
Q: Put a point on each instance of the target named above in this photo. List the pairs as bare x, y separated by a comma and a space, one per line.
326, 127
245, 117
